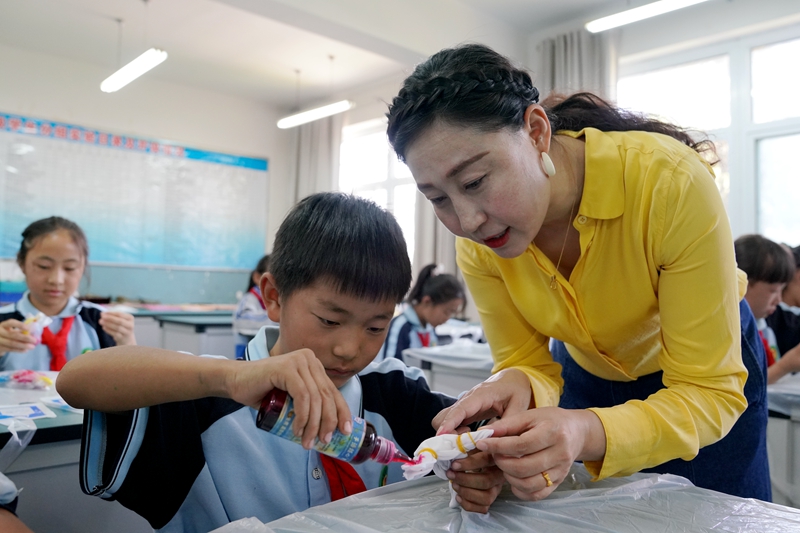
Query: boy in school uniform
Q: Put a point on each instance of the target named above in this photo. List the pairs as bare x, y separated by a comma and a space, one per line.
173, 436
769, 267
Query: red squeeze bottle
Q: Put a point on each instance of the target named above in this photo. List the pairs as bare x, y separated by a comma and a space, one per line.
276, 415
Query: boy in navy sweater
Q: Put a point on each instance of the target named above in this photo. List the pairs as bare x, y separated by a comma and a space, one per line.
173, 436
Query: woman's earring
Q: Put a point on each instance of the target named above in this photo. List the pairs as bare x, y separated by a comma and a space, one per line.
549, 167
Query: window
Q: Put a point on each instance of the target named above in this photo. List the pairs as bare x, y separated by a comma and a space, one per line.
775, 78
694, 95
369, 168
779, 188
740, 92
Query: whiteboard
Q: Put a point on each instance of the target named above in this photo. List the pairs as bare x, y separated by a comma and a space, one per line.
139, 201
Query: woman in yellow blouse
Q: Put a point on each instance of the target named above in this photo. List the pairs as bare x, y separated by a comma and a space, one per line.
600, 258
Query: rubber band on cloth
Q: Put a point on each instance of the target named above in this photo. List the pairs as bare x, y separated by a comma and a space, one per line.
437, 453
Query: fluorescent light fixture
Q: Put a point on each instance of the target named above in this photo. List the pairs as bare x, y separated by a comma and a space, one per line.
133, 70
315, 114
639, 13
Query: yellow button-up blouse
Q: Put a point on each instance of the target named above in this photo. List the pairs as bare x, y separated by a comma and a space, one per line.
656, 288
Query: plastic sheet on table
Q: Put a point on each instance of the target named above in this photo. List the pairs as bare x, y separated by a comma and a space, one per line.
635, 504
463, 354
245, 525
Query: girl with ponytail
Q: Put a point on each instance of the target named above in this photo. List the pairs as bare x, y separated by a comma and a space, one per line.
434, 299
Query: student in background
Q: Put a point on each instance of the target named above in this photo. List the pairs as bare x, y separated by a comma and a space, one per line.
178, 433
434, 299
251, 312
769, 268
53, 256
785, 321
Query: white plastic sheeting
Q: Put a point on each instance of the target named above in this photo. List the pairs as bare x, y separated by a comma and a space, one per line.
636, 504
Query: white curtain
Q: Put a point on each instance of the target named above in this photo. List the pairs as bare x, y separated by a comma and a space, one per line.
316, 156
433, 243
578, 61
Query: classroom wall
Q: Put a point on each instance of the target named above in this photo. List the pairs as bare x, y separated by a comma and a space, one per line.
56, 88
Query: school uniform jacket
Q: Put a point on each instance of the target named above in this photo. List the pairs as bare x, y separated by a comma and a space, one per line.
785, 324
86, 333
404, 332
194, 466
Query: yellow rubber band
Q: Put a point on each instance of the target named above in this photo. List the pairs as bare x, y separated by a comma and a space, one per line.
458, 443
430, 451
473, 440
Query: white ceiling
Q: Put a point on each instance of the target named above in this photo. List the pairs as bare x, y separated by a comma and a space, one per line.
230, 46
528, 15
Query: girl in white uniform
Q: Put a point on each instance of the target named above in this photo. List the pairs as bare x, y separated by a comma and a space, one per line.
53, 256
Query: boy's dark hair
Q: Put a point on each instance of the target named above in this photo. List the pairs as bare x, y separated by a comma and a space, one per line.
345, 240
261, 267
46, 226
763, 259
440, 288
472, 85
796, 255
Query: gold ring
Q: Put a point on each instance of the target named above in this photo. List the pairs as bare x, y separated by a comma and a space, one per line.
547, 479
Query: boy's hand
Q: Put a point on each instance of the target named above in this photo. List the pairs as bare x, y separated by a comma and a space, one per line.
14, 337
319, 406
119, 325
477, 481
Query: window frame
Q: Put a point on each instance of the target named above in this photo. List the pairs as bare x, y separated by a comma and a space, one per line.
742, 135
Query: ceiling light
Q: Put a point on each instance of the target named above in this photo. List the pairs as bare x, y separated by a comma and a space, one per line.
133, 70
639, 13
315, 114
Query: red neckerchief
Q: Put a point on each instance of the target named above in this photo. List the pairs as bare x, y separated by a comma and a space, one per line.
768, 349
257, 294
342, 478
424, 338
57, 343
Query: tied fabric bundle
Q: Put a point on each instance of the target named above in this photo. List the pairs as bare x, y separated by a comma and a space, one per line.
437, 453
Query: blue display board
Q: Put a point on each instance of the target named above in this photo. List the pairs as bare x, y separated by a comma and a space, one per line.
140, 201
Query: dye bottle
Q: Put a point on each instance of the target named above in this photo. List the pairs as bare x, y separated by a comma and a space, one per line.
276, 415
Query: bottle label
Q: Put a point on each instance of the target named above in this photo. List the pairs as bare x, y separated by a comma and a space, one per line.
341, 446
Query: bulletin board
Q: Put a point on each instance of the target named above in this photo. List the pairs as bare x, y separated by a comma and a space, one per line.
139, 201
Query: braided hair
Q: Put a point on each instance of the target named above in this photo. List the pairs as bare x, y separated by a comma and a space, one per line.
470, 85
475, 86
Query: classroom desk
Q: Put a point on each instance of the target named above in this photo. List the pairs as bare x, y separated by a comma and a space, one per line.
783, 440
51, 500
635, 504
198, 334
454, 367
147, 326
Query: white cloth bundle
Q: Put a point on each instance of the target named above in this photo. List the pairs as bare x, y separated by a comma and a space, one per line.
437, 453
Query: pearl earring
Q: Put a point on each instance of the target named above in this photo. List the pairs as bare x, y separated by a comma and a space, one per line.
547, 164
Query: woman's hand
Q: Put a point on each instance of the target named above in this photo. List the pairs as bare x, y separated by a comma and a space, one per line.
547, 440
14, 337
318, 405
119, 325
505, 393
477, 481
